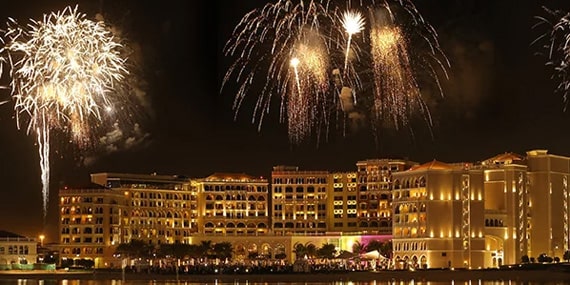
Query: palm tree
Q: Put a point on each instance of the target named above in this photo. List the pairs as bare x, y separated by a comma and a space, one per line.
206, 249
311, 250
566, 255
135, 249
384, 248
223, 250
300, 250
358, 247
327, 251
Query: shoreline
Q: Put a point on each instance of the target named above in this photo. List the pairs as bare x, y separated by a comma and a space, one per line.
542, 275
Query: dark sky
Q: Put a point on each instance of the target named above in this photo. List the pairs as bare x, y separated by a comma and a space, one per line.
499, 98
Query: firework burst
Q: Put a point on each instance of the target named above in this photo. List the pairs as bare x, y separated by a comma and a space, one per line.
303, 47
63, 70
265, 41
396, 96
353, 23
555, 46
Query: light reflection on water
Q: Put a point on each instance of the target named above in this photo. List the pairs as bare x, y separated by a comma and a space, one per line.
245, 282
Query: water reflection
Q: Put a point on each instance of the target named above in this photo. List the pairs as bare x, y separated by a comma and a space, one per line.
246, 282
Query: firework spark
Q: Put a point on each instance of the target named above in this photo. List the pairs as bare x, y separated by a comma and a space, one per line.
265, 41
380, 83
63, 70
395, 88
396, 96
353, 23
304, 103
556, 48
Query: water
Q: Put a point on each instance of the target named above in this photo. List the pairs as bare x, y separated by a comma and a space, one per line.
246, 282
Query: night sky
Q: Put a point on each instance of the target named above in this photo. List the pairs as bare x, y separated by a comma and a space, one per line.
499, 98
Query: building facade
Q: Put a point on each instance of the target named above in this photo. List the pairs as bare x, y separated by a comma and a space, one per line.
299, 201
16, 251
375, 193
438, 210
472, 215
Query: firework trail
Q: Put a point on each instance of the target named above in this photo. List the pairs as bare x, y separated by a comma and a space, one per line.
265, 41
309, 84
396, 66
63, 70
555, 46
302, 47
353, 23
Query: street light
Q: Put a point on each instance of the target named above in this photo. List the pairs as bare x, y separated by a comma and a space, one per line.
42, 240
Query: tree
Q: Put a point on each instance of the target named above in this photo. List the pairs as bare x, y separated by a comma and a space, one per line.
206, 250
223, 250
174, 250
543, 257
280, 256
327, 251
358, 247
135, 249
300, 250
384, 248
311, 250
525, 259
566, 255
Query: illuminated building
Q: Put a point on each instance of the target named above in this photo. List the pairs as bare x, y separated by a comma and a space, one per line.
299, 201
343, 203
506, 214
469, 215
438, 216
157, 209
232, 204
16, 251
120, 207
375, 193
526, 206
548, 203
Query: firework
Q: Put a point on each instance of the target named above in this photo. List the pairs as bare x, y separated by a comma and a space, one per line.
63, 69
555, 47
265, 41
309, 85
396, 67
352, 23
300, 49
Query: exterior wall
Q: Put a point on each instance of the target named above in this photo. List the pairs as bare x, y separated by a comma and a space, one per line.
343, 207
90, 224
506, 199
375, 193
548, 201
231, 204
17, 250
438, 217
299, 201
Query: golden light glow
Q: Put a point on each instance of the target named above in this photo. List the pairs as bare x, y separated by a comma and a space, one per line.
353, 23
62, 69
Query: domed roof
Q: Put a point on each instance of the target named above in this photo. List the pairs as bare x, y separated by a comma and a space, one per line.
432, 165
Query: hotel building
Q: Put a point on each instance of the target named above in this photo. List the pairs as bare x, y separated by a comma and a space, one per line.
375, 193
438, 216
16, 251
482, 214
299, 201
